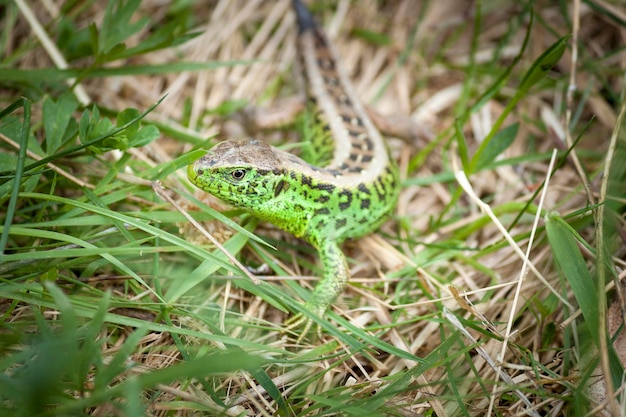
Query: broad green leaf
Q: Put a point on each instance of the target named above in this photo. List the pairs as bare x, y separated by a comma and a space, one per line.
145, 135
93, 126
498, 144
135, 134
117, 26
58, 121
126, 116
569, 258
543, 64
73, 42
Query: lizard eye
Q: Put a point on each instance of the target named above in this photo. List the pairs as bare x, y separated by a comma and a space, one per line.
238, 174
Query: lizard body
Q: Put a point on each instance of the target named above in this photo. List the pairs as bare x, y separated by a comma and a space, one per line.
349, 192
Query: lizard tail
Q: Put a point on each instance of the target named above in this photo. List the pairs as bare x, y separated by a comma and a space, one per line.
305, 19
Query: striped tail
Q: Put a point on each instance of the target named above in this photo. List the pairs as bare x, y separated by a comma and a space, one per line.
305, 19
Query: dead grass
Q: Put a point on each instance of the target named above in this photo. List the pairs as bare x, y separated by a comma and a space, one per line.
440, 252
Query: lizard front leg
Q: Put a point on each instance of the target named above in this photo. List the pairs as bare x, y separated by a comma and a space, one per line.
333, 282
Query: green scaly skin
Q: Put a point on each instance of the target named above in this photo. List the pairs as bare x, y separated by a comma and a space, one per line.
349, 197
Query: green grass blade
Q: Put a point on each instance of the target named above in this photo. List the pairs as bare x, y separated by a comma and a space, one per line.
569, 258
19, 171
538, 70
54, 75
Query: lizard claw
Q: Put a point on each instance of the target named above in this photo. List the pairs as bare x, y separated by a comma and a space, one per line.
300, 320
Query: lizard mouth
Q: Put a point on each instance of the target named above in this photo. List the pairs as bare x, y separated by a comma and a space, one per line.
192, 173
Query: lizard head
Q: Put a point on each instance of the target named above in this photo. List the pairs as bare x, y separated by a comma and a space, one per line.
246, 174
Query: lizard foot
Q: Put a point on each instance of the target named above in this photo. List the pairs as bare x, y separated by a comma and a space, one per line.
306, 323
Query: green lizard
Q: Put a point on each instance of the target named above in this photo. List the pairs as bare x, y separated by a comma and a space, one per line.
349, 191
